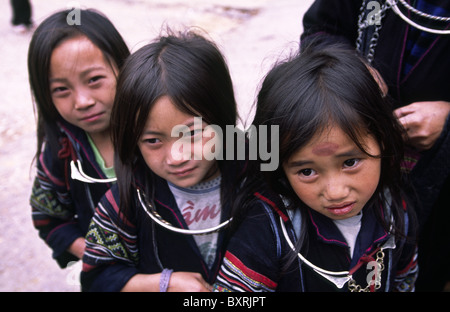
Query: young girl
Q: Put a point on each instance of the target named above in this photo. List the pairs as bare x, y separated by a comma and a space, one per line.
161, 227
340, 151
72, 72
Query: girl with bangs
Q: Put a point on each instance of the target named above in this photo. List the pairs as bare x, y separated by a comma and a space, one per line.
72, 72
348, 224
162, 227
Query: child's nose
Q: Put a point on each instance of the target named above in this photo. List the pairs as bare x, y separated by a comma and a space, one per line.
177, 155
336, 190
83, 100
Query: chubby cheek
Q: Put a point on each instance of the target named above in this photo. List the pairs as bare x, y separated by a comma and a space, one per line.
307, 196
305, 192
152, 159
370, 181
151, 164
111, 95
106, 96
63, 108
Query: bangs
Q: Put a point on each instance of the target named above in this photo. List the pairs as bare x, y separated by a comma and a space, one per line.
321, 110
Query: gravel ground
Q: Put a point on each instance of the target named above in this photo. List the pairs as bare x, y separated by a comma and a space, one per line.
252, 35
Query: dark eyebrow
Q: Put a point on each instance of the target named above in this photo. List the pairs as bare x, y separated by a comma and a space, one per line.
149, 132
83, 74
299, 163
350, 153
91, 69
189, 124
62, 80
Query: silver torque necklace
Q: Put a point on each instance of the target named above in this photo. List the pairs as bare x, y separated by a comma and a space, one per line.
393, 4
423, 14
341, 277
154, 215
77, 173
364, 22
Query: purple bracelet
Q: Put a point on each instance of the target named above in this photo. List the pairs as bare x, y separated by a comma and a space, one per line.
164, 280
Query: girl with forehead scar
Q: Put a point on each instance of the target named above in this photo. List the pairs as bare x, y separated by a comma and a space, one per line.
349, 225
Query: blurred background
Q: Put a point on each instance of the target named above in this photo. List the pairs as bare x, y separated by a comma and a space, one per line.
252, 34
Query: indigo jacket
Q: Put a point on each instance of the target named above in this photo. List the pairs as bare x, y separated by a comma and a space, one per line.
258, 254
61, 206
118, 248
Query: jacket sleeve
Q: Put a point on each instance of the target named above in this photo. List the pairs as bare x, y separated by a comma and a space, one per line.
405, 278
252, 260
111, 254
53, 214
334, 21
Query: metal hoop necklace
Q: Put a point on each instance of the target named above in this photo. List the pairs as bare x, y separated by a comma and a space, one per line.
154, 215
394, 6
337, 278
423, 14
341, 277
77, 173
364, 22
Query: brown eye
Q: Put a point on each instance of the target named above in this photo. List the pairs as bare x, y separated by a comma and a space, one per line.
306, 172
351, 162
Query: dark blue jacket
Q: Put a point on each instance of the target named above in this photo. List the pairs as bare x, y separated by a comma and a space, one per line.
117, 248
258, 254
62, 207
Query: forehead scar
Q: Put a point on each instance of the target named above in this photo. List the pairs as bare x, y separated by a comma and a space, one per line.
325, 149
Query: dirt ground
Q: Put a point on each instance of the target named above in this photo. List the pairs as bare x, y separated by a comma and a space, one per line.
252, 35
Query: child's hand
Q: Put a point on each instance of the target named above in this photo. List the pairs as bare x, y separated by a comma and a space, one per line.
423, 122
188, 282
179, 282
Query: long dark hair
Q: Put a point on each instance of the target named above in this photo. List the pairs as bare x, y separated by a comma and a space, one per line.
52, 32
320, 86
190, 70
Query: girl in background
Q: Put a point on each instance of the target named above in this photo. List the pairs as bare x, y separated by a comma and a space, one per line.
340, 152
161, 227
72, 73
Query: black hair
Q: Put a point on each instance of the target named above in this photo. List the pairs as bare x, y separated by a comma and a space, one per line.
49, 34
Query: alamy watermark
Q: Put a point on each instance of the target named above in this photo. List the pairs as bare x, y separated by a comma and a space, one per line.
374, 16
74, 16
236, 141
